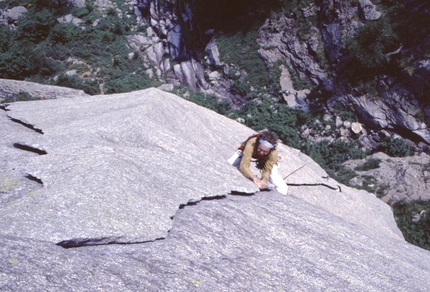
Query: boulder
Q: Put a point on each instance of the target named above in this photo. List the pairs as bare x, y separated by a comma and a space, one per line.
369, 10
175, 41
14, 13
356, 127
200, 74
213, 53
187, 70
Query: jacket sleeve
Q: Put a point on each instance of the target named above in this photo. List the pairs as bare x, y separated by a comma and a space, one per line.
246, 158
270, 162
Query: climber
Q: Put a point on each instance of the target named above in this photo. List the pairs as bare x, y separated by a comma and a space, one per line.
260, 149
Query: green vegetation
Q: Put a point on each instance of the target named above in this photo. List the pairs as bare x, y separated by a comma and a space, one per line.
298, 83
371, 185
373, 42
389, 45
259, 114
371, 163
296, 9
209, 101
41, 49
369, 49
229, 18
417, 233
331, 155
20, 96
345, 114
241, 49
395, 147
343, 175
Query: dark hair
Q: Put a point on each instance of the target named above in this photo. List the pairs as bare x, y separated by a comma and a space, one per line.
269, 136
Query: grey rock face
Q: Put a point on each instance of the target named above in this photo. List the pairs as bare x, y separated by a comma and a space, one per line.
9, 88
394, 108
278, 41
160, 15
263, 242
10, 16
213, 53
175, 41
108, 149
405, 178
87, 143
78, 3
369, 10
148, 170
69, 18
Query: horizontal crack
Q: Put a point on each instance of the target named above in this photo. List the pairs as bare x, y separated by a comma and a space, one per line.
33, 178
84, 242
30, 149
337, 188
76, 242
30, 126
192, 203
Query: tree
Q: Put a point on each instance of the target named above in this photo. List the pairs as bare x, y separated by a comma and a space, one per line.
395, 147
371, 45
35, 25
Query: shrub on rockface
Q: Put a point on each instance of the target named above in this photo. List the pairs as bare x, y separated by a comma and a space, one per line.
210, 101
241, 49
331, 155
372, 43
413, 219
128, 82
69, 81
42, 50
395, 147
240, 88
62, 33
35, 25
371, 163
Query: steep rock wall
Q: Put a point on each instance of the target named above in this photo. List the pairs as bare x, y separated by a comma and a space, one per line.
139, 184
317, 59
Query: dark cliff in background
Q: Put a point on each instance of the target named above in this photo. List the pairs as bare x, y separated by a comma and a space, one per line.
367, 58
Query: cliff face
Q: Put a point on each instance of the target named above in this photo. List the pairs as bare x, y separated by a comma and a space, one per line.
369, 58
393, 179
312, 43
396, 105
139, 184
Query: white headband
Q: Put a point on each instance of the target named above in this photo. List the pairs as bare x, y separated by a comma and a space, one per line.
265, 143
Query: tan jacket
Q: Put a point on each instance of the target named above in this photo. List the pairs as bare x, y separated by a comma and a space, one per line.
250, 152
